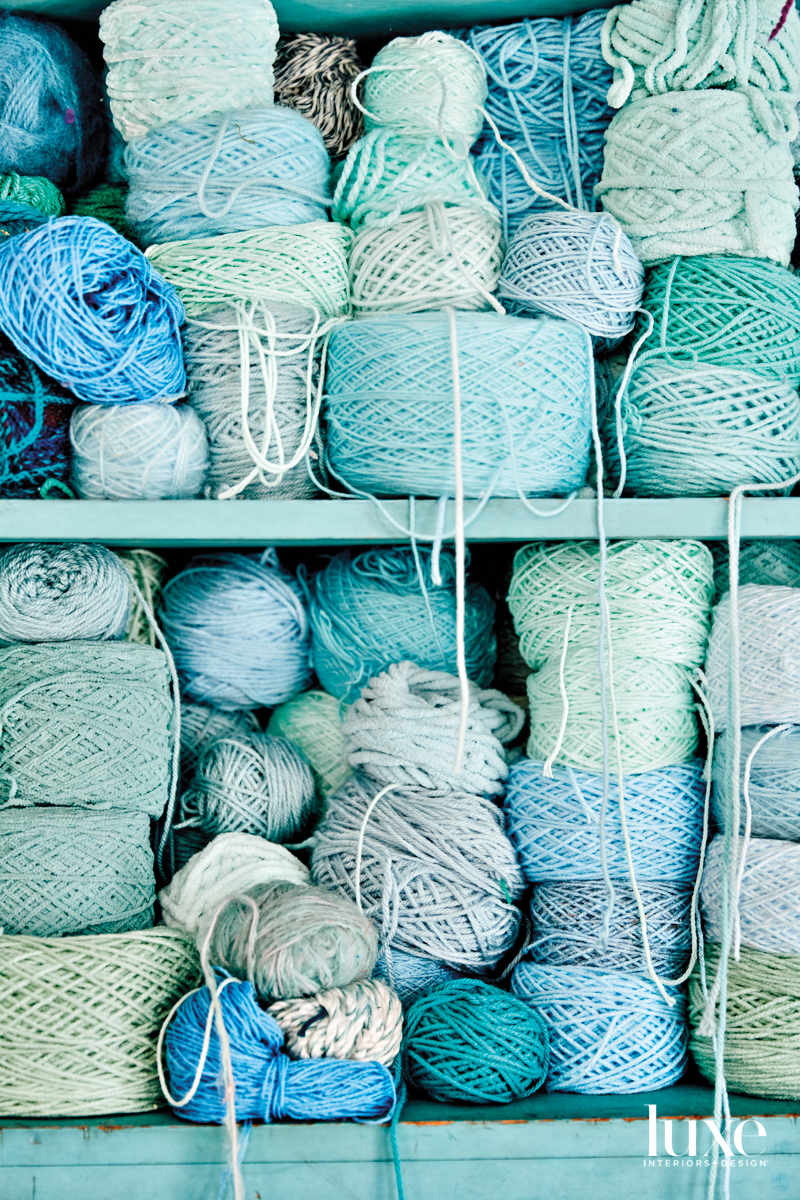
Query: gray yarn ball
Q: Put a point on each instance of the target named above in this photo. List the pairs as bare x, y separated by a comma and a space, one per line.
63, 592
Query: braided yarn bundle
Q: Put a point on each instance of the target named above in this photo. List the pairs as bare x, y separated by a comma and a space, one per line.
138, 452
312, 721
200, 726
774, 783
301, 264
146, 571
555, 824
525, 405
313, 75
115, 339
403, 730
33, 190
34, 426
229, 865
643, 1039
67, 872
767, 895
238, 628
84, 1014
226, 173
372, 609
771, 560
362, 1021
433, 867
51, 108
165, 64
470, 1042
292, 940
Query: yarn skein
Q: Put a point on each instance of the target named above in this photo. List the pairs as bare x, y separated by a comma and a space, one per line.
146, 571
362, 1021
312, 721
313, 75
200, 726
767, 895
774, 781
34, 426
34, 190
61, 592
760, 561
410, 975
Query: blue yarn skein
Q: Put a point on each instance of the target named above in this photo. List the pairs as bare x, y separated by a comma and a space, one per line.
369, 610
269, 1085
88, 308
34, 426
227, 173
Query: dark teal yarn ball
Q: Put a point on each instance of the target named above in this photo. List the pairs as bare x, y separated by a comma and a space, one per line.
16, 217
471, 1042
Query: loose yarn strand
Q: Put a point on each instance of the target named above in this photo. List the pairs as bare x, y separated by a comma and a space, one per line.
390, 787
547, 769
461, 583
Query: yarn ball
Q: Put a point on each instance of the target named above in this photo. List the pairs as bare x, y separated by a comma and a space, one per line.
525, 402
767, 895
427, 84
610, 1033
97, 713
426, 261
555, 824
232, 863
34, 190
138, 452
312, 721
579, 266
313, 75
410, 974
61, 592
106, 202
362, 1021
16, 218
251, 783
301, 264
404, 729
568, 926
433, 868
84, 1013
306, 940
200, 726
67, 872
146, 571
51, 108
166, 65
694, 173
226, 173
116, 337
238, 628
760, 561
34, 426
774, 786
372, 609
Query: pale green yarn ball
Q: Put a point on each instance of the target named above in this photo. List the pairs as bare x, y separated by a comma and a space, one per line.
34, 190
313, 722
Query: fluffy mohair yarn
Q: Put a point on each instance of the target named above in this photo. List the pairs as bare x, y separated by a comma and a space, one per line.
200, 726
33, 190
403, 729
312, 721
361, 1021
165, 64
146, 570
230, 864
138, 452
313, 75
303, 940
51, 108
62, 591
433, 869
226, 173
693, 173
774, 783
251, 783
765, 560
767, 894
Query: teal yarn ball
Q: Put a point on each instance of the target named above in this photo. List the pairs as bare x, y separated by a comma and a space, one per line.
470, 1042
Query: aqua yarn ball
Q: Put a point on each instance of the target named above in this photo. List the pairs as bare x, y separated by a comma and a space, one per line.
227, 173
369, 610
62, 591
525, 405
86, 306
471, 1042
34, 426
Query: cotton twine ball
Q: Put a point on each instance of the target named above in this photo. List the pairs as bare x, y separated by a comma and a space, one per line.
251, 783
659, 595
200, 726
314, 73
34, 426
693, 172
61, 592
361, 1021
305, 940
51, 114
774, 784
769, 670
84, 1013
568, 926
312, 721
33, 190
423, 85
767, 895
115, 339
369, 610
229, 865
167, 65
765, 560
390, 408
434, 869
579, 266
238, 628
106, 202
470, 1042
404, 729
555, 824
226, 173
410, 974
146, 570
610, 1033
424, 261
300, 264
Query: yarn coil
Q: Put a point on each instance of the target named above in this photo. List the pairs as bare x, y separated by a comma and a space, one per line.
362, 1021
767, 895
61, 592
313, 75
146, 572
33, 190
760, 561
200, 726
774, 784
312, 721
